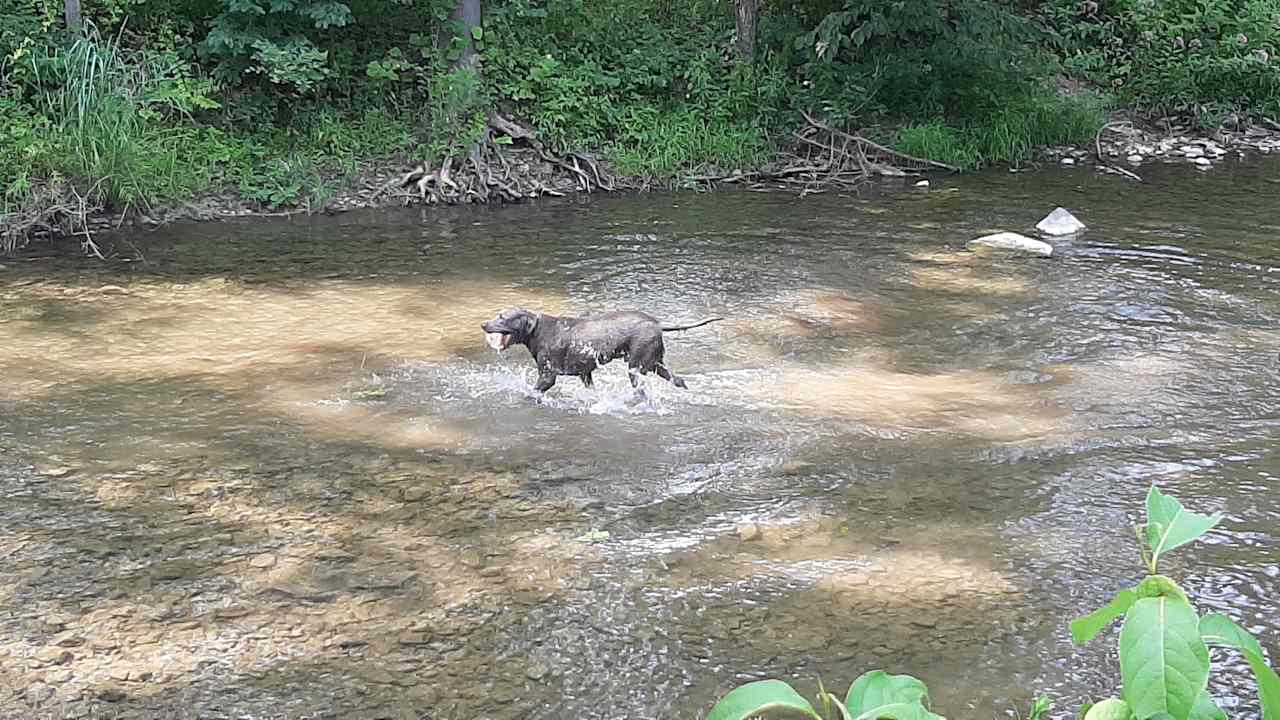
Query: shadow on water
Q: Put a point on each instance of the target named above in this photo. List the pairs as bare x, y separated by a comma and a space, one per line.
269, 468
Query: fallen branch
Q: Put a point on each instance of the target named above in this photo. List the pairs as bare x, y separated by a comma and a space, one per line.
1097, 146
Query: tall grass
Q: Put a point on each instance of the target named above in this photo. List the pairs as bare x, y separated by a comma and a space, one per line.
660, 147
1010, 135
106, 109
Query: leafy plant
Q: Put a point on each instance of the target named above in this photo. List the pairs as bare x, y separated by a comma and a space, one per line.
873, 696
273, 39
1201, 56
1164, 653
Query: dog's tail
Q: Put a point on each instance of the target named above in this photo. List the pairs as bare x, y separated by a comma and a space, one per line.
676, 328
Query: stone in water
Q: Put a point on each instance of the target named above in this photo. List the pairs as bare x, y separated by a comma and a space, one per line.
1060, 222
1012, 242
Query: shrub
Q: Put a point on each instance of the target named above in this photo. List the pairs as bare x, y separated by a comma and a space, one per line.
1175, 55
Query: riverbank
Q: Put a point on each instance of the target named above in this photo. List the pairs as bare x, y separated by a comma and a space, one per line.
1122, 146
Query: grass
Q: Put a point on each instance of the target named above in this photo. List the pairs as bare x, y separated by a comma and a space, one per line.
660, 147
1010, 135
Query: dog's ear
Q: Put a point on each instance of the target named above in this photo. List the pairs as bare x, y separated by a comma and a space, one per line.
530, 322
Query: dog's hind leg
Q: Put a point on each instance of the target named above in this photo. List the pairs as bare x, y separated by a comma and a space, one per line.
587, 379
670, 377
635, 373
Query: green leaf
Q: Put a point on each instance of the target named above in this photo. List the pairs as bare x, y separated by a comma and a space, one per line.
1170, 526
1164, 663
1109, 709
1219, 629
760, 698
477, 33
1222, 630
1039, 709
877, 695
1084, 629
1205, 709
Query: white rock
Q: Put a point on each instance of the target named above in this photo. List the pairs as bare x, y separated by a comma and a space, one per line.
1134, 158
1067, 161
1192, 151
1012, 242
1060, 222
922, 183
1202, 162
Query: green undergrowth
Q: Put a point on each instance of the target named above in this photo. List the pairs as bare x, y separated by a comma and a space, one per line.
1010, 135
282, 101
128, 129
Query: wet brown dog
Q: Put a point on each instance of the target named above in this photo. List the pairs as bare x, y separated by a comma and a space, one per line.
577, 346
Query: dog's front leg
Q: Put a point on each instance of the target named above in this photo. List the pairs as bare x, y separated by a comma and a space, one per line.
546, 378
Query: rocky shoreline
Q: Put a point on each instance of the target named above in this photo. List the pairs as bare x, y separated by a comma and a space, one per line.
1126, 142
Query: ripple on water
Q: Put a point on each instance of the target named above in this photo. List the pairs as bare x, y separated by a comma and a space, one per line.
893, 453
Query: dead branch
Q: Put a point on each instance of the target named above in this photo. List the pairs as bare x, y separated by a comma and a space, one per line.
1097, 147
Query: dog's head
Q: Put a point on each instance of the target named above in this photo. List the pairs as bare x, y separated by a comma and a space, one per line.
514, 325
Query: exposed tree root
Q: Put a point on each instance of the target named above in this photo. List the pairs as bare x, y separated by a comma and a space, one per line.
486, 173
54, 210
823, 157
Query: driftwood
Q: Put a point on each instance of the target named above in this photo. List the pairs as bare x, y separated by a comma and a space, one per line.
52, 210
823, 157
1097, 147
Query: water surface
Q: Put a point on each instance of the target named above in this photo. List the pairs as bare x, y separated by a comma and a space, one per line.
270, 469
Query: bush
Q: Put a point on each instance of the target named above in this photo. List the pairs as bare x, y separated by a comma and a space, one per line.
1175, 55
105, 118
961, 59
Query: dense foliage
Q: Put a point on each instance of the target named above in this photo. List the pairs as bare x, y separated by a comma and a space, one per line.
160, 99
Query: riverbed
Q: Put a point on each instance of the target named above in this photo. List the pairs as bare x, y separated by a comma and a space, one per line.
270, 469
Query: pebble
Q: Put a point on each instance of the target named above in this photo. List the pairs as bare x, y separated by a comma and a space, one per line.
748, 531
54, 656
536, 671
1067, 161
38, 693
111, 694
347, 641
1135, 158
1203, 162
416, 493
265, 560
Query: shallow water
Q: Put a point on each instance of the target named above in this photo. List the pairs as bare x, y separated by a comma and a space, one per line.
271, 468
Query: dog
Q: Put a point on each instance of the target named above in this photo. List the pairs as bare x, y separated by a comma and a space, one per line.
577, 346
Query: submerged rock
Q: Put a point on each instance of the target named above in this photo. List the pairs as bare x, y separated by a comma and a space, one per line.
1060, 222
1013, 243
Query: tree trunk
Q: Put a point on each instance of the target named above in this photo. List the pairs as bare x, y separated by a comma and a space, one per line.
467, 17
745, 15
72, 13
